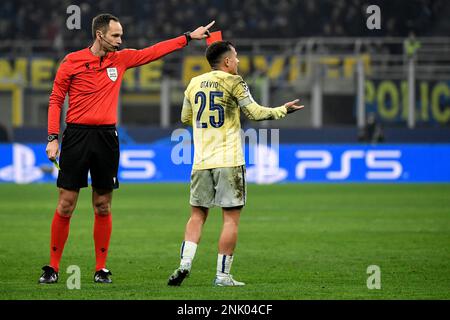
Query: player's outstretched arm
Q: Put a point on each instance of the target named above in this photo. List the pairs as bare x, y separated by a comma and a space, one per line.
254, 111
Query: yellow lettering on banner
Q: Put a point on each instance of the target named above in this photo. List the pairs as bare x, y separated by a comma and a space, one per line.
129, 79
276, 68
370, 92
424, 103
349, 67
294, 68
350, 62
149, 73
273, 71
367, 64
389, 93
404, 89
17, 102
384, 89
194, 66
440, 90
332, 64
308, 69
260, 63
244, 65
42, 73
18, 73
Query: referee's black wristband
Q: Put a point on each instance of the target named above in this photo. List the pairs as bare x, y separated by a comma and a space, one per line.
188, 36
52, 137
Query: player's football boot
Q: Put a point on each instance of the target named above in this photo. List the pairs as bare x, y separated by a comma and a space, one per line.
178, 276
227, 281
48, 276
103, 276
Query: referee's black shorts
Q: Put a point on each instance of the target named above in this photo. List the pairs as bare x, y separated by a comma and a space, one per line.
86, 148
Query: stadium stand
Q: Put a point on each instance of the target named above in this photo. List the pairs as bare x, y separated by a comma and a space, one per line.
286, 50
31, 20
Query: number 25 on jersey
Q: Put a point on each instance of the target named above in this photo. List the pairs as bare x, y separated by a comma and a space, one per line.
200, 97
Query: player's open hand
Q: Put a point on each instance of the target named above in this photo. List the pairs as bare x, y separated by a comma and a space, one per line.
202, 32
52, 150
292, 106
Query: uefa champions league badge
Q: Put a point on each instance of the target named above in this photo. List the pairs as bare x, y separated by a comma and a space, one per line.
112, 73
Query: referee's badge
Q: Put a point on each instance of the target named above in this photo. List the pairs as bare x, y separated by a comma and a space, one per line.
112, 73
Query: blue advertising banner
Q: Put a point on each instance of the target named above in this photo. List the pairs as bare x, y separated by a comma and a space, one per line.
169, 162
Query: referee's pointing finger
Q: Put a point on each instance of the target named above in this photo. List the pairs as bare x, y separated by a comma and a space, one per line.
210, 24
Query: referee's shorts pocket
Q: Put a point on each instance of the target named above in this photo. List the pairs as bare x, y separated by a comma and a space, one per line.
104, 162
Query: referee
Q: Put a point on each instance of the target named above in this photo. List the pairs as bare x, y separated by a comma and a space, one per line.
92, 78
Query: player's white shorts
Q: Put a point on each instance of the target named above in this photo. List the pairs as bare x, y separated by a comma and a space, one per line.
221, 187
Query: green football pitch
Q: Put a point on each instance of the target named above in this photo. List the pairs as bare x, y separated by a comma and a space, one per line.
295, 242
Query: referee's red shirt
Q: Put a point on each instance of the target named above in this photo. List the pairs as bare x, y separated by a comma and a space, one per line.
93, 83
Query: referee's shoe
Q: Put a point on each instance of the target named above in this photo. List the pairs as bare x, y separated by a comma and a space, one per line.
48, 276
103, 276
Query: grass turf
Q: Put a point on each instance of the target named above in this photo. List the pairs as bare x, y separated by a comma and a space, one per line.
295, 242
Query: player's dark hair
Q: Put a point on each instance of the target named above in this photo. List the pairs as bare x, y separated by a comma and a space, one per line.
216, 50
101, 22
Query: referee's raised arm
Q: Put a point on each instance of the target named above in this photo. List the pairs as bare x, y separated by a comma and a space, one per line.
135, 58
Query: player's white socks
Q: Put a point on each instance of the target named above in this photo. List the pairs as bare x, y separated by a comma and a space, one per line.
224, 264
187, 254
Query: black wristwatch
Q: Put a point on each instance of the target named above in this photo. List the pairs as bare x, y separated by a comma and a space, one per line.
52, 137
188, 36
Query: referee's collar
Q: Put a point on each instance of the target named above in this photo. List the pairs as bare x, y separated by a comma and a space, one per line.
107, 55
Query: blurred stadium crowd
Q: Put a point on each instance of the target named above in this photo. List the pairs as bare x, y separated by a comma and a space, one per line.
314, 45
143, 20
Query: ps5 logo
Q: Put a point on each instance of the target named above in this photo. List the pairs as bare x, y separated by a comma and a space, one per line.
266, 167
380, 164
137, 164
23, 168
